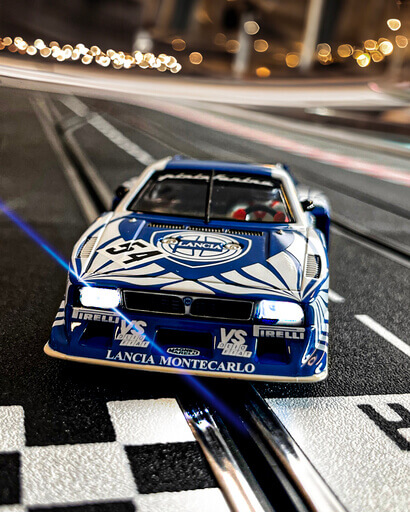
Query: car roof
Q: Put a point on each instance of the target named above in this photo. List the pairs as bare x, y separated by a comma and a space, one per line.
202, 165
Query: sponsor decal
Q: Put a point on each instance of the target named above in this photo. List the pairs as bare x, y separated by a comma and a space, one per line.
131, 334
184, 176
233, 343
131, 253
248, 180
95, 316
130, 357
180, 362
266, 331
201, 249
183, 351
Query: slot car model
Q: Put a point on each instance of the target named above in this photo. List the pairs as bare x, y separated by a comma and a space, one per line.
207, 268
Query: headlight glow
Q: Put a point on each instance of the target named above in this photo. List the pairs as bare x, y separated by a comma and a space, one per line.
105, 298
280, 313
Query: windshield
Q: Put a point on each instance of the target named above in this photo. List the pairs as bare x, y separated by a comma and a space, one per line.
214, 195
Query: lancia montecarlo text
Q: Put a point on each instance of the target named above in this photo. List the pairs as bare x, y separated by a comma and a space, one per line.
208, 268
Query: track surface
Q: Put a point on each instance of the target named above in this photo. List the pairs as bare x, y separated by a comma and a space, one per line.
80, 434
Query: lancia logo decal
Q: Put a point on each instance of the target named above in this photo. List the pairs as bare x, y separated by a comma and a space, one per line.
201, 249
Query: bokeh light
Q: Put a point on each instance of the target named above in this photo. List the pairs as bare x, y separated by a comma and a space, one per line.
363, 60
394, 24
386, 47
370, 44
178, 44
377, 56
118, 59
402, 41
220, 39
251, 27
260, 45
357, 53
232, 46
323, 50
345, 50
292, 60
195, 58
263, 72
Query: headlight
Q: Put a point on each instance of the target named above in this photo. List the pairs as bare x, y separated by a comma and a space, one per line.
280, 313
106, 298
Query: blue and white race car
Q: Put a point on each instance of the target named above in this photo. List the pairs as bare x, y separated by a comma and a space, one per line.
207, 268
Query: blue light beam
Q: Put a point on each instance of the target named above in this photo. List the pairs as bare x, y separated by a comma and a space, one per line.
192, 380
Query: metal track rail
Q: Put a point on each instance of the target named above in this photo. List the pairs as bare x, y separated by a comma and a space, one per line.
285, 456
238, 485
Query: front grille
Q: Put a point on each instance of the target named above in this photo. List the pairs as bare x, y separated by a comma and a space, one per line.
228, 309
154, 302
221, 308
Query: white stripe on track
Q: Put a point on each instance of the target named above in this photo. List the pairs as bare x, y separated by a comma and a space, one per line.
335, 297
80, 192
108, 130
384, 333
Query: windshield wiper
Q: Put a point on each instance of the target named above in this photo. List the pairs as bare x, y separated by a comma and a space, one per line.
209, 197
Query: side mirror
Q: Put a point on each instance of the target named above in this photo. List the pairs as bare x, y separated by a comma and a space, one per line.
307, 205
120, 192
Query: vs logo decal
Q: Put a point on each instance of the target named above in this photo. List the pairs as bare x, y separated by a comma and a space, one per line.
233, 343
131, 334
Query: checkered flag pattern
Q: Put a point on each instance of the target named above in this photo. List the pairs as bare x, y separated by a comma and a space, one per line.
152, 464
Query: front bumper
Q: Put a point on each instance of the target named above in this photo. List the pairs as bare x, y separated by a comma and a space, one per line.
192, 346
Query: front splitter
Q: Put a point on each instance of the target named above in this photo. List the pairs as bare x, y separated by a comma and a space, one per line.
199, 373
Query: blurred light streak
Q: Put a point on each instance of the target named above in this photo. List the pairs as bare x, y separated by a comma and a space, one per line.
192, 380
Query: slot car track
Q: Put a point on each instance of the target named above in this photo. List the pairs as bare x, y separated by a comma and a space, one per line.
274, 451
65, 405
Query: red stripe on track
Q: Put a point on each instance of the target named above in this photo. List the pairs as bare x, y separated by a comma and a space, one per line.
346, 162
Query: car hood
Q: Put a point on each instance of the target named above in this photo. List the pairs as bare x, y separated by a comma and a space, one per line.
132, 252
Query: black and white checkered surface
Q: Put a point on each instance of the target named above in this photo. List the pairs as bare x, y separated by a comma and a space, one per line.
149, 461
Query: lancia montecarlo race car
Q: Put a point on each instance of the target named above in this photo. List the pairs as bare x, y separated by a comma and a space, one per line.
207, 268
